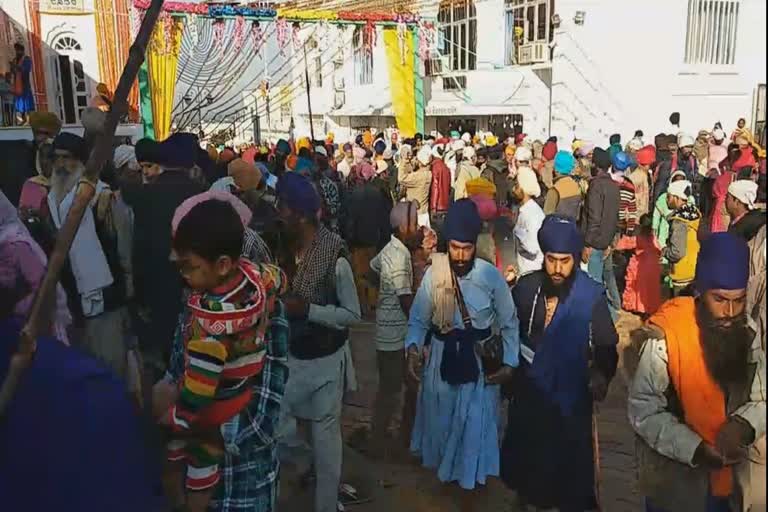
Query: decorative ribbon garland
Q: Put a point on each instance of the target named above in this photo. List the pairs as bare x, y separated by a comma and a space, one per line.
283, 34
219, 26
291, 14
402, 33
296, 35
239, 34
369, 36
257, 35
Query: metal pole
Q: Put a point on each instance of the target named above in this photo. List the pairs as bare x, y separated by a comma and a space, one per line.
551, 88
309, 100
257, 119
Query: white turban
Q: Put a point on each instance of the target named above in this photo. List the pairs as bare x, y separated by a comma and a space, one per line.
684, 140
467, 138
528, 181
458, 145
468, 152
320, 150
718, 135
523, 154
125, 155
680, 189
635, 144
745, 191
424, 154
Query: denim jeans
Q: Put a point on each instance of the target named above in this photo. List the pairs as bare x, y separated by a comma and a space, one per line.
601, 270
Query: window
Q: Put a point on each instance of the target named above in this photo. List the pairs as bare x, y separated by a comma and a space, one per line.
363, 59
527, 22
457, 34
66, 43
454, 83
70, 82
315, 63
712, 32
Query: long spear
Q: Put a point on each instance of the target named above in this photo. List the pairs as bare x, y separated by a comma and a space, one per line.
42, 308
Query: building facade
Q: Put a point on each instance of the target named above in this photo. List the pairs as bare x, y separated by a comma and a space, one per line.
570, 68
74, 45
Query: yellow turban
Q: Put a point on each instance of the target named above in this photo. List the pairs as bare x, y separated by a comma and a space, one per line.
510, 150
576, 145
213, 154
491, 141
367, 138
481, 187
303, 142
47, 121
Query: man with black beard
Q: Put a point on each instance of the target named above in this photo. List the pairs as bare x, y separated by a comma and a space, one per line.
568, 358
697, 398
461, 302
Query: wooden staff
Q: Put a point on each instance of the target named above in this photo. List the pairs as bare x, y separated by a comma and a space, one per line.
41, 313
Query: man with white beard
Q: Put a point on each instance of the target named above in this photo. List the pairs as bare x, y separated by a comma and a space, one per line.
94, 278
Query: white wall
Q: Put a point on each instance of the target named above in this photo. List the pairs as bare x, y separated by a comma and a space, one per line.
624, 69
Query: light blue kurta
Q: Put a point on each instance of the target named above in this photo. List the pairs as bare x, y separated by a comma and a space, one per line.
457, 427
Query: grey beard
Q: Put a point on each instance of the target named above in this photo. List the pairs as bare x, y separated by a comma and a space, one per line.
62, 183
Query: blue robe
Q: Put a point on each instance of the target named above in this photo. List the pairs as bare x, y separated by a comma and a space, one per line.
70, 440
456, 430
547, 455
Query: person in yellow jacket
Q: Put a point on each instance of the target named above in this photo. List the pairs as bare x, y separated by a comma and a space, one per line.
683, 245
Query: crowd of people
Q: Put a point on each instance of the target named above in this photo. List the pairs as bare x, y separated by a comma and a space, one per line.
213, 291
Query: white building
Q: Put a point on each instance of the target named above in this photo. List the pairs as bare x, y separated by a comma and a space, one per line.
62, 37
616, 66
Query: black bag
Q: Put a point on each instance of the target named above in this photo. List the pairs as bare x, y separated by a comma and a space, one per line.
492, 351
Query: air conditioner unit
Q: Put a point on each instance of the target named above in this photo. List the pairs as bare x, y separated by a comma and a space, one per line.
532, 53
339, 98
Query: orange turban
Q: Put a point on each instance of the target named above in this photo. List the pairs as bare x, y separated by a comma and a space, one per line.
367, 138
247, 177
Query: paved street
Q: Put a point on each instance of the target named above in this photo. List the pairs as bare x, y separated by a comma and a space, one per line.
405, 487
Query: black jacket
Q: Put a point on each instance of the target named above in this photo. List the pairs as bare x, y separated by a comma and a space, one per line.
157, 280
748, 226
600, 221
367, 221
497, 172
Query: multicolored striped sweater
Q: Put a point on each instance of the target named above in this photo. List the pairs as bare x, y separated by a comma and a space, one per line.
225, 346
627, 207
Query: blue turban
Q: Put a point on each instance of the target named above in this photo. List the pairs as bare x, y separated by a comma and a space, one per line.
283, 147
621, 161
303, 166
723, 263
463, 223
297, 193
564, 162
179, 151
560, 235
379, 147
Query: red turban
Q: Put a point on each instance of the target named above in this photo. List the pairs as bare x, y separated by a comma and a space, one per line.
646, 156
549, 151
